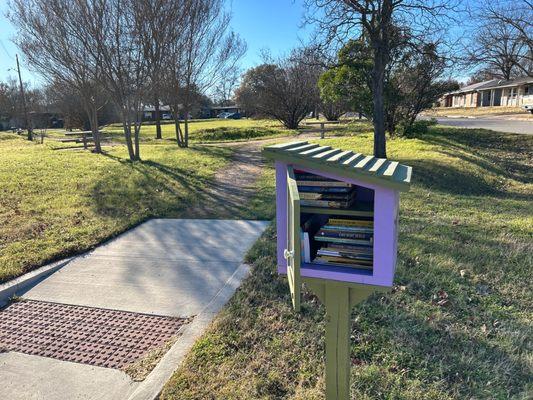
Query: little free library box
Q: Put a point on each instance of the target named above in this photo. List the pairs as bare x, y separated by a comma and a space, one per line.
337, 230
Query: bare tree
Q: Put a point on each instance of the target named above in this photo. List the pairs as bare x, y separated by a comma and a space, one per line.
505, 41
224, 90
378, 21
502, 44
162, 21
53, 36
285, 89
125, 69
204, 50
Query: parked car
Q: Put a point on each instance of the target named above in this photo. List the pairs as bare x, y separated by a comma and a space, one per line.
229, 115
166, 116
234, 115
528, 107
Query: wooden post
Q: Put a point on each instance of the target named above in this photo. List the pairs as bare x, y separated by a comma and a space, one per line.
339, 299
337, 342
322, 131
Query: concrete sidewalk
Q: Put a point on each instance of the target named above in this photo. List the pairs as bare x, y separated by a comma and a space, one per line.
164, 267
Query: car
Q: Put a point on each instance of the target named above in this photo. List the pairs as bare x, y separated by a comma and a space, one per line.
166, 116
223, 115
528, 107
234, 115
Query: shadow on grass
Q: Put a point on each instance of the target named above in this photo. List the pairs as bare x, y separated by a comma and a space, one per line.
502, 154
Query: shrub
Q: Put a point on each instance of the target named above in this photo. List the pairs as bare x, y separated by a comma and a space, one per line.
230, 133
416, 129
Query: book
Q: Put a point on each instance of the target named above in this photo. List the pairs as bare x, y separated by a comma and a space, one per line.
350, 222
319, 260
305, 247
315, 189
350, 248
346, 256
342, 240
337, 196
325, 203
307, 176
323, 183
310, 196
348, 228
347, 235
344, 260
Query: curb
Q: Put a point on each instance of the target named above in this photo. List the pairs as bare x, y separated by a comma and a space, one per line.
151, 387
20, 284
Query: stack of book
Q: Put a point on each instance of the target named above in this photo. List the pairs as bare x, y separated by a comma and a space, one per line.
346, 243
319, 191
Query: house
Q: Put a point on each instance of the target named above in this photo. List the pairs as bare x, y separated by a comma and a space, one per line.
149, 112
493, 93
512, 93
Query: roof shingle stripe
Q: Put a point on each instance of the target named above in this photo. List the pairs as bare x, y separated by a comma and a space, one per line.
302, 148
340, 156
324, 155
377, 165
353, 159
313, 151
363, 162
388, 172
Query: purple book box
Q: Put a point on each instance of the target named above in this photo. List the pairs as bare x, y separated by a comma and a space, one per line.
377, 181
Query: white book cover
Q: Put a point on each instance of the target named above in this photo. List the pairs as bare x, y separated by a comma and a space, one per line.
305, 247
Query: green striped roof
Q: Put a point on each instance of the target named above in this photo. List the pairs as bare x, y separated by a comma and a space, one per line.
344, 163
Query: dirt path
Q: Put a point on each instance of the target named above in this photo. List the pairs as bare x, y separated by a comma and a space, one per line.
234, 185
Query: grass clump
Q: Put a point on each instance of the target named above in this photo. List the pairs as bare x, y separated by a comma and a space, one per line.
235, 133
457, 325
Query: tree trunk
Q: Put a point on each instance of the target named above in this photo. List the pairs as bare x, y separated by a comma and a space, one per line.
157, 119
126, 124
94, 127
378, 76
137, 131
179, 134
186, 125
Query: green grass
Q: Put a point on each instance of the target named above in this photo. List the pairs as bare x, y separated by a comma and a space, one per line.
209, 130
57, 203
466, 237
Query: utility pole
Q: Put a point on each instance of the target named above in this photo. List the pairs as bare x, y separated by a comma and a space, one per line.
28, 126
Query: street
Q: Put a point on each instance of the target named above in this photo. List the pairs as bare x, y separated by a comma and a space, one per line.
495, 124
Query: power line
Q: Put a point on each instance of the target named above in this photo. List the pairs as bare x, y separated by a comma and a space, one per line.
5, 50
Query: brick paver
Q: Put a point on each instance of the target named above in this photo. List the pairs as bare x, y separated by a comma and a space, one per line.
95, 336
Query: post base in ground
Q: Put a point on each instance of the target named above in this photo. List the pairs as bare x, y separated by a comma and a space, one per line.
339, 298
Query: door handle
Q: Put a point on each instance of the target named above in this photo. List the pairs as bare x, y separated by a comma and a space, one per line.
288, 254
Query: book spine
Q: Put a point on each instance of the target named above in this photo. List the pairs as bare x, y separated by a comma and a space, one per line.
348, 228
340, 240
347, 235
323, 183
350, 222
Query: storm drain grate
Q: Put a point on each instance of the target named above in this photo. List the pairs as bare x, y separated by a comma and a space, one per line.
95, 336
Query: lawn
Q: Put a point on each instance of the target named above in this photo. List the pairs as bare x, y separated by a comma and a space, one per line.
209, 130
58, 203
457, 324
478, 112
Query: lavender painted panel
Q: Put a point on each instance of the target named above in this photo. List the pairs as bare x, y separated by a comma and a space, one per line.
385, 233
385, 212
281, 214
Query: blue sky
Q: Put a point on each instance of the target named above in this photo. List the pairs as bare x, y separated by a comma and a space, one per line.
272, 24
